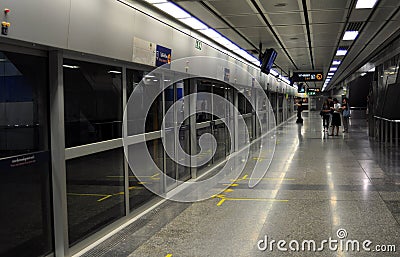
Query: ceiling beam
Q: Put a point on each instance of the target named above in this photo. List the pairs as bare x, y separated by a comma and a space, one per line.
305, 12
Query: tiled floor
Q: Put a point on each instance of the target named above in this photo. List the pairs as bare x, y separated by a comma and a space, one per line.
315, 186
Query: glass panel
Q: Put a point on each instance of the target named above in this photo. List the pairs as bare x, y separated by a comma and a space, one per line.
207, 153
26, 228
138, 194
203, 102
151, 87
183, 89
95, 190
93, 108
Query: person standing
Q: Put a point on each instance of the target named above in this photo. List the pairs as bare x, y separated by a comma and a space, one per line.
345, 115
336, 122
326, 114
299, 104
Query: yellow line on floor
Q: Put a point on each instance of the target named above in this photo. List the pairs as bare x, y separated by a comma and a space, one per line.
221, 202
104, 198
245, 176
168, 255
228, 190
76, 194
232, 185
237, 180
255, 199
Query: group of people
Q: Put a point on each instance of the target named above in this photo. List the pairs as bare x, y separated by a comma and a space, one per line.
331, 113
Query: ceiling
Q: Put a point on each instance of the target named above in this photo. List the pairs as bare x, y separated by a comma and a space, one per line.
305, 33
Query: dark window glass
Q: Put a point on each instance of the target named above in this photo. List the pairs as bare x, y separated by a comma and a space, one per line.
95, 190
203, 102
26, 227
93, 102
135, 109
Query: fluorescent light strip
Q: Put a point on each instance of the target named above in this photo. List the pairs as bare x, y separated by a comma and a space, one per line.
333, 69
211, 33
156, 1
331, 73
363, 74
70, 66
194, 23
350, 35
336, 62
114, 72
173, 10
365, 4
184, 17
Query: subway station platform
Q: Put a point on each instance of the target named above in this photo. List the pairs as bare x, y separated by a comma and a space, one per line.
345, 187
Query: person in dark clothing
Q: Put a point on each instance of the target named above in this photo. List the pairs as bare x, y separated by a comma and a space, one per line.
326, 114
299, 104
336, 122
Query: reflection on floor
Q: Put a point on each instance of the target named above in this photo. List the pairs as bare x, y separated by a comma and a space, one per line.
316, 187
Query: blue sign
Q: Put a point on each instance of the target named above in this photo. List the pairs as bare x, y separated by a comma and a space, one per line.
163, 56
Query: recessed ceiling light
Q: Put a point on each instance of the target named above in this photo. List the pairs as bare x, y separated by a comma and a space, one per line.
350, 35
363, 74
331, 74
333, 69
336, 62
341, 52
280, 4
365, 4
293, 38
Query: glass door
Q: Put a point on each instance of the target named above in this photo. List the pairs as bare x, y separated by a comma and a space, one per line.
25, 202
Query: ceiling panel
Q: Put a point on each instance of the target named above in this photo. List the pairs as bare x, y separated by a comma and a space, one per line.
331, 16
234, 37
289, 30
360, 15
393, 3
382, 14
203, 14
333, 29
232, 7
256, 32
285, 18
275, 6
244, 21
328, 4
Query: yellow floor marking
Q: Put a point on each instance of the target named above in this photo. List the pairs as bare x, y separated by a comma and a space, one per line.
86, 194
104, 198
221, 202
245, 176
236, 180
228, 190
255, 199
232, 185
135, 187
168, 255
155, 175
142, 183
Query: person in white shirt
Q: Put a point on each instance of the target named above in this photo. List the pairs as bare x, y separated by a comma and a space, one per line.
336, 121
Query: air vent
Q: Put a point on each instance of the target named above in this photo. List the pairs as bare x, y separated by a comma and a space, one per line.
354, 26
343, 48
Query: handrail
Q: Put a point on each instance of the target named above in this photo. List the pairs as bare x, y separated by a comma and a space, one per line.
381, 118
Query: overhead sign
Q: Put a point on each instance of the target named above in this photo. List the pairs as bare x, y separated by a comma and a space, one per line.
313, 91
307, 76
163, 55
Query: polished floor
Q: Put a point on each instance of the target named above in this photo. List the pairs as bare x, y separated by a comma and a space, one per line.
316, 186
